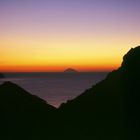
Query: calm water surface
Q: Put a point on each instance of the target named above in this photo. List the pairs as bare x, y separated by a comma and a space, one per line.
55, 88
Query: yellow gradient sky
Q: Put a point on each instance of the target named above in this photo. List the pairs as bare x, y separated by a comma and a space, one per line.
52, 36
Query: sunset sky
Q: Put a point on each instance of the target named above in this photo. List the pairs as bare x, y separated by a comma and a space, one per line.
52, 35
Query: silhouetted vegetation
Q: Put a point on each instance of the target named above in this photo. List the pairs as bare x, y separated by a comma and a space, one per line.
107, 111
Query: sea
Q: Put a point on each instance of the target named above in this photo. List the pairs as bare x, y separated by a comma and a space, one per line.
55, 88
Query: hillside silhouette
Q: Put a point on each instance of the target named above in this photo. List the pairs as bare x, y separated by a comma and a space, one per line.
108, 110
23, 116
111, 107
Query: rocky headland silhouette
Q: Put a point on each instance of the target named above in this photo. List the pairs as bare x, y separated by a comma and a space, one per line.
108, 110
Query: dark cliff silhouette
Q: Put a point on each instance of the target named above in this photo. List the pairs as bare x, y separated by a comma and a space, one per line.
2, 75
22, 115
110, 110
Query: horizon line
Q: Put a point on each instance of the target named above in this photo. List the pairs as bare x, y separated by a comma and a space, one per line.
54, 71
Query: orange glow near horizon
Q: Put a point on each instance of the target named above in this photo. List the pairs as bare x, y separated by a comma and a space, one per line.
59, 54
56, 68
51, 36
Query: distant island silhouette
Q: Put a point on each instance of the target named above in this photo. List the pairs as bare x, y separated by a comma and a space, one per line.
109, 110
70, 70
